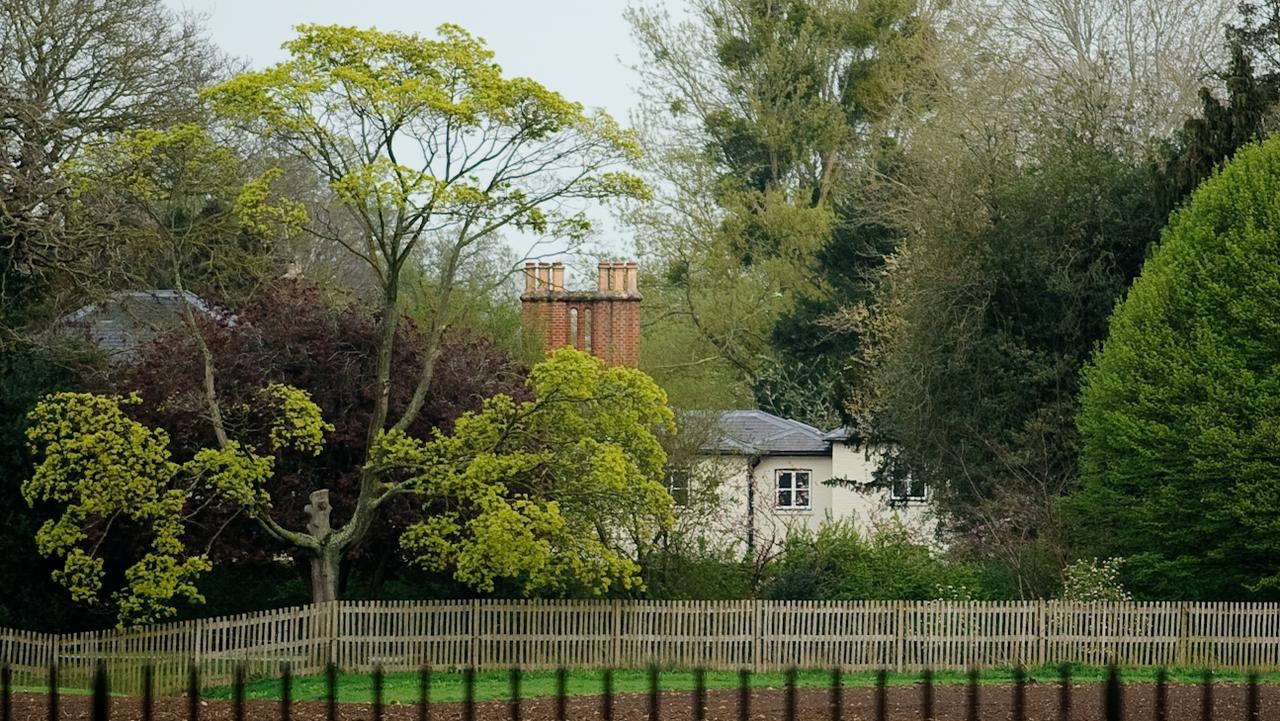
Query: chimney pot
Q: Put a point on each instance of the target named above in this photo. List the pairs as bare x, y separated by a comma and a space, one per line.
633, 278
530, 276
557, 277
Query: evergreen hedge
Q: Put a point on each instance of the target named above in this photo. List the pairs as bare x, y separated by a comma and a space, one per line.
1180, 412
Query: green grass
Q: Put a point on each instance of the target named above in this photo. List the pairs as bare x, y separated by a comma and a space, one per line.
495, 685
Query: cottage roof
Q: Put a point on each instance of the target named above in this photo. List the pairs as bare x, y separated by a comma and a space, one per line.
838, 435
752, 432
123, 321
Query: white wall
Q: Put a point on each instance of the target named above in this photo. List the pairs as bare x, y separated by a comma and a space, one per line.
869, 506
725, 524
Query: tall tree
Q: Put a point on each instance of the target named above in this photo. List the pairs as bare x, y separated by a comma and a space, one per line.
766, 112
1177, 418
72, 71
432, 153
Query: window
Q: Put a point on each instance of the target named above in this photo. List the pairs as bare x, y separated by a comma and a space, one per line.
908, 490
573, 327
678, 485
793, 489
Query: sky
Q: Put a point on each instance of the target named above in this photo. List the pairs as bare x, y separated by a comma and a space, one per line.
579, 48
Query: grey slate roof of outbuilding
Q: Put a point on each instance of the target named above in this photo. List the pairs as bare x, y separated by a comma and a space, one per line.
760, 433
122, 322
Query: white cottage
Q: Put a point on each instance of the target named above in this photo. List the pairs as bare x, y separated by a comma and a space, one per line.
773, 474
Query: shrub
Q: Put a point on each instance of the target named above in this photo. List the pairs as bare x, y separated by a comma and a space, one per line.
838, 563
696, 573
1092, 581
1180, 411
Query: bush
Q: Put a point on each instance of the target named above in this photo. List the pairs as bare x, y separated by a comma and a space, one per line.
837, 563
1093, 581
680, 573
1180, 412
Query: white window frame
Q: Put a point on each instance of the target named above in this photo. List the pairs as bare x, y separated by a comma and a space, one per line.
907, 498
792, 488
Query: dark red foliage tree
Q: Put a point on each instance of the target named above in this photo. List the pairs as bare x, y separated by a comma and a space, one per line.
295, 333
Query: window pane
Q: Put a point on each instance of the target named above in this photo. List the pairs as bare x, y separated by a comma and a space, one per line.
802, 499
802, 480
784, 498
678, 485
918, 489
784, 480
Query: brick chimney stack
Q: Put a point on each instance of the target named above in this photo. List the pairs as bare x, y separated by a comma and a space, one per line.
604, 322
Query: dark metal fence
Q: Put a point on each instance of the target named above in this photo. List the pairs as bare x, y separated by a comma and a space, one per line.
1112, 690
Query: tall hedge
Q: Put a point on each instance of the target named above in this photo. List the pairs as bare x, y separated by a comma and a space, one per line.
1180, 413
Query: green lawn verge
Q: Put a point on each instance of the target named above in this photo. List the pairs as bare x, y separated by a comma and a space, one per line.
495, 685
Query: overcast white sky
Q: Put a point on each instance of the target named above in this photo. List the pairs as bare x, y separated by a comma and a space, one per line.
579, 48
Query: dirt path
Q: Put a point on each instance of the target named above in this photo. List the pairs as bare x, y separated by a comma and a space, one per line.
766, 705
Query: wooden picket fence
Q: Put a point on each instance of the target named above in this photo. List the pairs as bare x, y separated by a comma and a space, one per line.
717, 635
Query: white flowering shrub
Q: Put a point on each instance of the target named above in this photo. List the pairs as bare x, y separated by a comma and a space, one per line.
1089, 580
953, 592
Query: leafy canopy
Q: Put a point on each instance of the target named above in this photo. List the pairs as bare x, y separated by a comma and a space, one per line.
551, 492
175, 208
103, 468
1179, 410
421, 136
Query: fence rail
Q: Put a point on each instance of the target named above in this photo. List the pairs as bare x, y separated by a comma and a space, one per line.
716, 635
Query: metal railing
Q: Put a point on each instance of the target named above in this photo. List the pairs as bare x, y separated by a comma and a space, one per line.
1113, 689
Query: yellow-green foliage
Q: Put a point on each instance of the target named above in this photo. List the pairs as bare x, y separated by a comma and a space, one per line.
100, 465
551, 492
350, 98
102, 469
174, 174
298, 424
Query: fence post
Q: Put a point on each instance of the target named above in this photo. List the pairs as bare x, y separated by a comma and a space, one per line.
474, 649
757, 635
615, 648
1184, 635
900, 635
1041, 634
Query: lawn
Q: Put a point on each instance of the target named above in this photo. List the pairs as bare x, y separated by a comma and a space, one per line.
495, 685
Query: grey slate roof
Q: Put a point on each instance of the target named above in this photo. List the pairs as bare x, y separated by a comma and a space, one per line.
760, 433
124, 321
836, 435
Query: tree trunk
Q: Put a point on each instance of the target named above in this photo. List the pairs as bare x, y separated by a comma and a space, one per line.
325, 565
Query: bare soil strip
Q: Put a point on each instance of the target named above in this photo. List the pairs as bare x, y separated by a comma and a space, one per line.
722, 705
